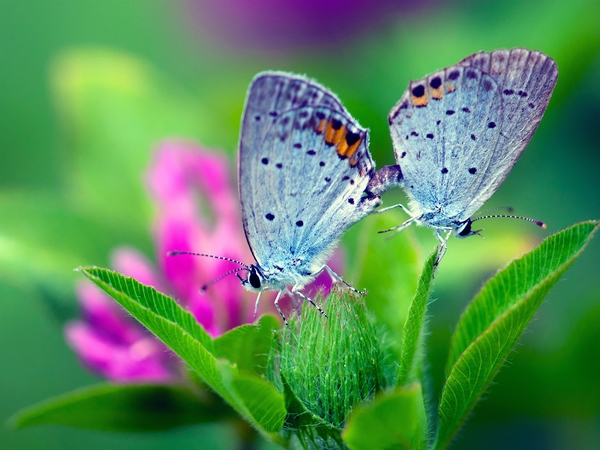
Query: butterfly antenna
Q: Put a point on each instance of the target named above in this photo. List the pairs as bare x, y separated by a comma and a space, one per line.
506, 216
226, 274
223, 258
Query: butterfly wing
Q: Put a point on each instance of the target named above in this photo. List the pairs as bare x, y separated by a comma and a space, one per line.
303, 167
458, 132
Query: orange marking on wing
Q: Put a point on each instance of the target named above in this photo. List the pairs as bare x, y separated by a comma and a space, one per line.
338, 137
321, 127
330, 133
352, 149
423, 100
450, 87
437, 93
342, 147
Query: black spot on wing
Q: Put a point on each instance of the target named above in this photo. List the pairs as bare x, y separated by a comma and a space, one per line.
269, 217
265, 161
352, 138
435, 82
418, 91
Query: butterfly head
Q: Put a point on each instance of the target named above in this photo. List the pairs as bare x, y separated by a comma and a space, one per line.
255, 281
464, 229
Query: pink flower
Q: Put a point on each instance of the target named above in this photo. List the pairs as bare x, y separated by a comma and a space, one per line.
197, 210
110, 342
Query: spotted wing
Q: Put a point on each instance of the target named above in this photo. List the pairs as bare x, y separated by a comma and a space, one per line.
458, 132
303, 167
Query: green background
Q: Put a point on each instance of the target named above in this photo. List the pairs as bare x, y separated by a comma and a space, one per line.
88, 88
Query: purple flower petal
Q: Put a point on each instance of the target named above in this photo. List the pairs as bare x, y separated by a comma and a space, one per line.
132, 263
182, 178
142, 361
284, 25
105, 315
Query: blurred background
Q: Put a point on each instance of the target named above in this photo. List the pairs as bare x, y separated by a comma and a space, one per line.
89, 88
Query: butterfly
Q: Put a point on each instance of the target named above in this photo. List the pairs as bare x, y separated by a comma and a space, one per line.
304, 166
458, 132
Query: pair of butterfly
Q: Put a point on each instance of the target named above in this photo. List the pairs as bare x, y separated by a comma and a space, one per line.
306, 174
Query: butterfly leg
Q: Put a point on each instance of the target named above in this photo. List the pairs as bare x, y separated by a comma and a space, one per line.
443, 245
295, 291
256, 304
398, 228
276, 302
387, 208
337, 279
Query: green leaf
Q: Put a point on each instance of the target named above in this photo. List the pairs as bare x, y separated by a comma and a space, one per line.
395, 420
386, 266
133, 408
179, 330
261, 399
248, 346
496, 318
412, 351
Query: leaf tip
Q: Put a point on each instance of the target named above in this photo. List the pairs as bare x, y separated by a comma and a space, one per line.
13, 422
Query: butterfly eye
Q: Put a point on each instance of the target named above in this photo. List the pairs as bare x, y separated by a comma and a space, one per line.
466, 231
254, 279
